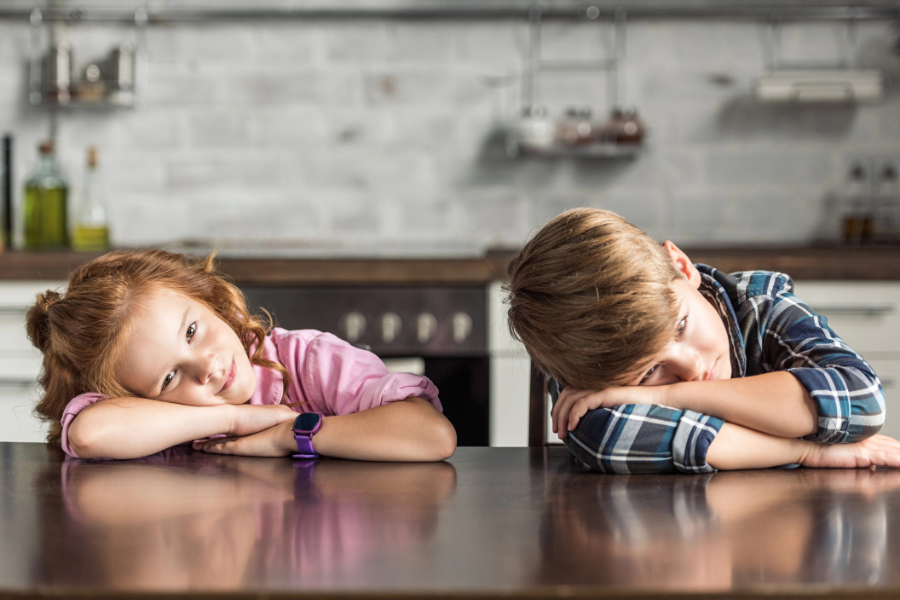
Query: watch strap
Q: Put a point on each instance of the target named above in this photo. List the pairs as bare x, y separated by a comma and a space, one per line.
303, 437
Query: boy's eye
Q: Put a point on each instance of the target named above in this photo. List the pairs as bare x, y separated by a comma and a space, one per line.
191, 330
681, 326
648, 374
168, 380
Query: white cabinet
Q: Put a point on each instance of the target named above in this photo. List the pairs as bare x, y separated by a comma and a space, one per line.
510, 376
20, 363
867, 316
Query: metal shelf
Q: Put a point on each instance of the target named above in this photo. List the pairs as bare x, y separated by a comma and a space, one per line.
590, 151
393, 10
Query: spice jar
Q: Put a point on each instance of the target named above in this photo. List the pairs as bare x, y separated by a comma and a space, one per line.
624, 126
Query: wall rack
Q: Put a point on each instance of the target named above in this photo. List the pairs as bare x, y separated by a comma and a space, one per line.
796, 10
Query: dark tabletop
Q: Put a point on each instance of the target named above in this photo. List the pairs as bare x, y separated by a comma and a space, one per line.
490, 521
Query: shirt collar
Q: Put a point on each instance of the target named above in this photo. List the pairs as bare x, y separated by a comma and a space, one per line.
716, 292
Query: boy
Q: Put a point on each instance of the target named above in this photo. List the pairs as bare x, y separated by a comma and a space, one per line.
669, 366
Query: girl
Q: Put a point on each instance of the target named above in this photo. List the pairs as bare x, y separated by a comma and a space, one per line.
147, 350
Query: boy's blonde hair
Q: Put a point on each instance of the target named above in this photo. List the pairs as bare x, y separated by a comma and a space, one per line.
81, 332
590, 297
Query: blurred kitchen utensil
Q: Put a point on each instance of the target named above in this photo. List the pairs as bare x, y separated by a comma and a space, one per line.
577, 128
90, 88
624, 127
6, 239
58, 73
534, 132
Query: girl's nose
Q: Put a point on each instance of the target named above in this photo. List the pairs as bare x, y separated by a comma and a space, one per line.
207, 368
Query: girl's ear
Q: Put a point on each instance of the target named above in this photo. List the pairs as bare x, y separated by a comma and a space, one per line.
683, 263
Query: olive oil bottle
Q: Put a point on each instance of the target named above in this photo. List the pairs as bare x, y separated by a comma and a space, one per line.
91, 232
45, 206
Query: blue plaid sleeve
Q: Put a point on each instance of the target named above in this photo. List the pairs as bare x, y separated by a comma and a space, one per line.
847, 392
643, 438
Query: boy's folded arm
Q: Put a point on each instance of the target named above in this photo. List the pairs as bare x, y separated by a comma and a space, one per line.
656, 439
739, 447
813, 385
775, 403
134, 427
644, 438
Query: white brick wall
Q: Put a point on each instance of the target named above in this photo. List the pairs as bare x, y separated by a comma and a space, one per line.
381, 131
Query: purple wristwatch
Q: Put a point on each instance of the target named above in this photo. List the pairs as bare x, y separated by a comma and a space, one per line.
305, 426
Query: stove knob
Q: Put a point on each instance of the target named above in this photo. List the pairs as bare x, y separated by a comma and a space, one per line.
390, 327
462, 327
354, 326
426, 327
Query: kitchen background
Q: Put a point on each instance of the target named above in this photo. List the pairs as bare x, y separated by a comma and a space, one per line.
391, 137
386, 133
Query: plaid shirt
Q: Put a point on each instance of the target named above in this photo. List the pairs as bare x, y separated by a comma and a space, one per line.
769, 329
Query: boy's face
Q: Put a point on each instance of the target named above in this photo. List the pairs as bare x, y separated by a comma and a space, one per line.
698, 349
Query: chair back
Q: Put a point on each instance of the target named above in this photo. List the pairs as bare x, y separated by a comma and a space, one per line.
537, 409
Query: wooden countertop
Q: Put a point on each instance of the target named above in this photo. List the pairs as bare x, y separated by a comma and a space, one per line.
490, 522
802, 263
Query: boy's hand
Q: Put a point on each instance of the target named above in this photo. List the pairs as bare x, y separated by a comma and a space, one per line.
253, 418
878, 450
573, 404
275, 441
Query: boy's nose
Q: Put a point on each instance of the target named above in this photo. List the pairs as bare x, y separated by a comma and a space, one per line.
689, 367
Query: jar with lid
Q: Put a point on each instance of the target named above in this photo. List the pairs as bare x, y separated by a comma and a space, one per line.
625, 127
45, 207
577, 127
91, 232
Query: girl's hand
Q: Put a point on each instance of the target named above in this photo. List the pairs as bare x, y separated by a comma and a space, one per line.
253, 418
573, 404
275, 441
878, 450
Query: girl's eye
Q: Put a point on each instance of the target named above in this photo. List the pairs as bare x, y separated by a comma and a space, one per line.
168, 380
648, 374
191, 330
682, 324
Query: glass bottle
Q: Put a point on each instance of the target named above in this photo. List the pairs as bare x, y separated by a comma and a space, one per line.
92, 226
45, 212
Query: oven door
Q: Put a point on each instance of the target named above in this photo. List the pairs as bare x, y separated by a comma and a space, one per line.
438, 332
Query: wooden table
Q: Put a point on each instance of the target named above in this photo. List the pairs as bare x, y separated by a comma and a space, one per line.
489, 522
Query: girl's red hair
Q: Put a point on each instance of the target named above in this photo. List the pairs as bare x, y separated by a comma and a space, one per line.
81, 331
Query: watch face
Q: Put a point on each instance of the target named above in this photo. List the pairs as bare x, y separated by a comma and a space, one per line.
306, 421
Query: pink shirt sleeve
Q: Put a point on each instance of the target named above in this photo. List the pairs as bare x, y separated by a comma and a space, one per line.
75, 406
336, 378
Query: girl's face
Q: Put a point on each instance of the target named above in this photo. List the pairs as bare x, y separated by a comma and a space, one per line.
180, 351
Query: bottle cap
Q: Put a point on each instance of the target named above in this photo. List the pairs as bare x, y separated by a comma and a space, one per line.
46, 147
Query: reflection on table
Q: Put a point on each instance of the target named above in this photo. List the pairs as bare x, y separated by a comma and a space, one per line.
171, 522
514, 522
718, 532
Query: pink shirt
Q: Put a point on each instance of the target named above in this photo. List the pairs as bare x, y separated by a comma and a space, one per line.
327, 373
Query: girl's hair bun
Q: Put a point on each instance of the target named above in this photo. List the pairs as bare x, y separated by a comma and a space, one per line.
37, 321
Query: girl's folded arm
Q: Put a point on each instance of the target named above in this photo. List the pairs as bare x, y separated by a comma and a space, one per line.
133, 427
405, 430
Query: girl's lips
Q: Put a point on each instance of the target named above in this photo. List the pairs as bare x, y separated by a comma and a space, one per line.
712, 372
229, 379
